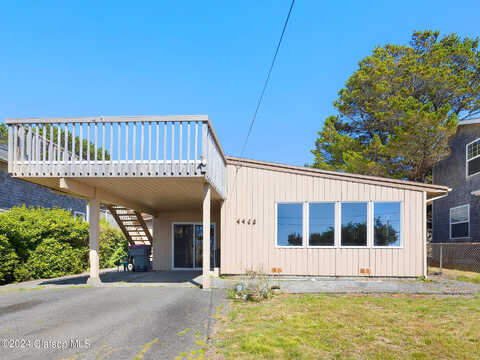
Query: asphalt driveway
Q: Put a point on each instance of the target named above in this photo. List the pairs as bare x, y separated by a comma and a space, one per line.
106, 322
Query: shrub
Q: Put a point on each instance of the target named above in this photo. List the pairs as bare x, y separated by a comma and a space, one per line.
54, 258
44, 243
254, 286
22, 273
8, 260
113, 245
26, 228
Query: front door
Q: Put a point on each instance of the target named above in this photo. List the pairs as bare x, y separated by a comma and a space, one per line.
188, 246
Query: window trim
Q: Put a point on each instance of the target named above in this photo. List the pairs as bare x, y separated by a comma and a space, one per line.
338, 225
459, 222
466, 167
369, 222
334, 225
304, 205
401, 225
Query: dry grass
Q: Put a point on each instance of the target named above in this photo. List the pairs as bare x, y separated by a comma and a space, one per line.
468, 276
352, 327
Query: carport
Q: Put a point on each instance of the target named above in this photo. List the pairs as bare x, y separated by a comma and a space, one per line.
171, 167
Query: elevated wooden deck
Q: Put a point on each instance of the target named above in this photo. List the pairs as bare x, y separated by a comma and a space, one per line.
44, 149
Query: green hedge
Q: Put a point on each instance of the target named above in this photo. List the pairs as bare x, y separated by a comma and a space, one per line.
26, 228
39, 243
8, 260
53, 258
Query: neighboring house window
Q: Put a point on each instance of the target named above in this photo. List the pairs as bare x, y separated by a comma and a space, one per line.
473, 158
354, 224
290, 224
459, 221
79, 214
321, 224
386, 223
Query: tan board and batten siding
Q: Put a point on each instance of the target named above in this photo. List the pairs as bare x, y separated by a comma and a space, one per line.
253, 190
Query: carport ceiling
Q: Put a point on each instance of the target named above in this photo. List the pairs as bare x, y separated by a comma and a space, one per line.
156, 193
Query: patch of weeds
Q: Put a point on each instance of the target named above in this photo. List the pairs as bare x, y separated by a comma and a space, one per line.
183, 332
254, 286
425, 279
218, 311
23, 289
201, 342
145, 348
197, 353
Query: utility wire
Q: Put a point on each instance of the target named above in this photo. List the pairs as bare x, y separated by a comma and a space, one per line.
267, 79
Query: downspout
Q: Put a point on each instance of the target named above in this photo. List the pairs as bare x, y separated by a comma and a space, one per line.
438, 197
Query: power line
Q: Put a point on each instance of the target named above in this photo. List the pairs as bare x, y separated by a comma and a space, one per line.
267, 79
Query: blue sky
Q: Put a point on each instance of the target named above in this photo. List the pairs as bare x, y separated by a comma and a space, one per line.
84, 58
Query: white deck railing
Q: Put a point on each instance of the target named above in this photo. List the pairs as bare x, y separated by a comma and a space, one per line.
120, 146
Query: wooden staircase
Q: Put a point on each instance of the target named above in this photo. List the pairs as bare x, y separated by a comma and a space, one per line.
132, 224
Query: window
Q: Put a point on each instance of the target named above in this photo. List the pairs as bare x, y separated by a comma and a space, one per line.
473, 158
386, 224
459, 221
79, 214
290, 224
354, 224
321, 224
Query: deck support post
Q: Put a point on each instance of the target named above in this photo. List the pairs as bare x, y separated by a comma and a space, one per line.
206, 236
94, 222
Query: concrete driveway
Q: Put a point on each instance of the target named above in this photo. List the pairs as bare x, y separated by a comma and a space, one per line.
111, 322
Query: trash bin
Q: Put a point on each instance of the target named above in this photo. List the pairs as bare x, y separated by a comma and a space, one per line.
140, 255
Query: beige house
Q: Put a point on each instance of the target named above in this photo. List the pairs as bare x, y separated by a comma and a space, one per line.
260, 216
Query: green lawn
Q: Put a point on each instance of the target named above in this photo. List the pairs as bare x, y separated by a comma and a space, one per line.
352, 327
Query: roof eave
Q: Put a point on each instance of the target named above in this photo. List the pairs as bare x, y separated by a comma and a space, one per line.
429, 188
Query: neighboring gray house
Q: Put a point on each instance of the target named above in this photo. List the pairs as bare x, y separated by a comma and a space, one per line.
14, 192
456, 217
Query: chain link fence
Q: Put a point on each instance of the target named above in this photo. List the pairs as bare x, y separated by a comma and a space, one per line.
459, 256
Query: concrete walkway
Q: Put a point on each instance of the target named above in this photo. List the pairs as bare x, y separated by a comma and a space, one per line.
294, 285
302, 285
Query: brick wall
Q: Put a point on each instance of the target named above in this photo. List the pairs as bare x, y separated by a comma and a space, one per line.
452, 173
18, 192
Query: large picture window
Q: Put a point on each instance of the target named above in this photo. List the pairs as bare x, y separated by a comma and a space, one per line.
349, 224
290, 224
459, 221
473, 158
321, 224
354, 224
386, 224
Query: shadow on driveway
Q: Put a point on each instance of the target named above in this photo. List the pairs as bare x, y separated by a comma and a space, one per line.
151, 277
